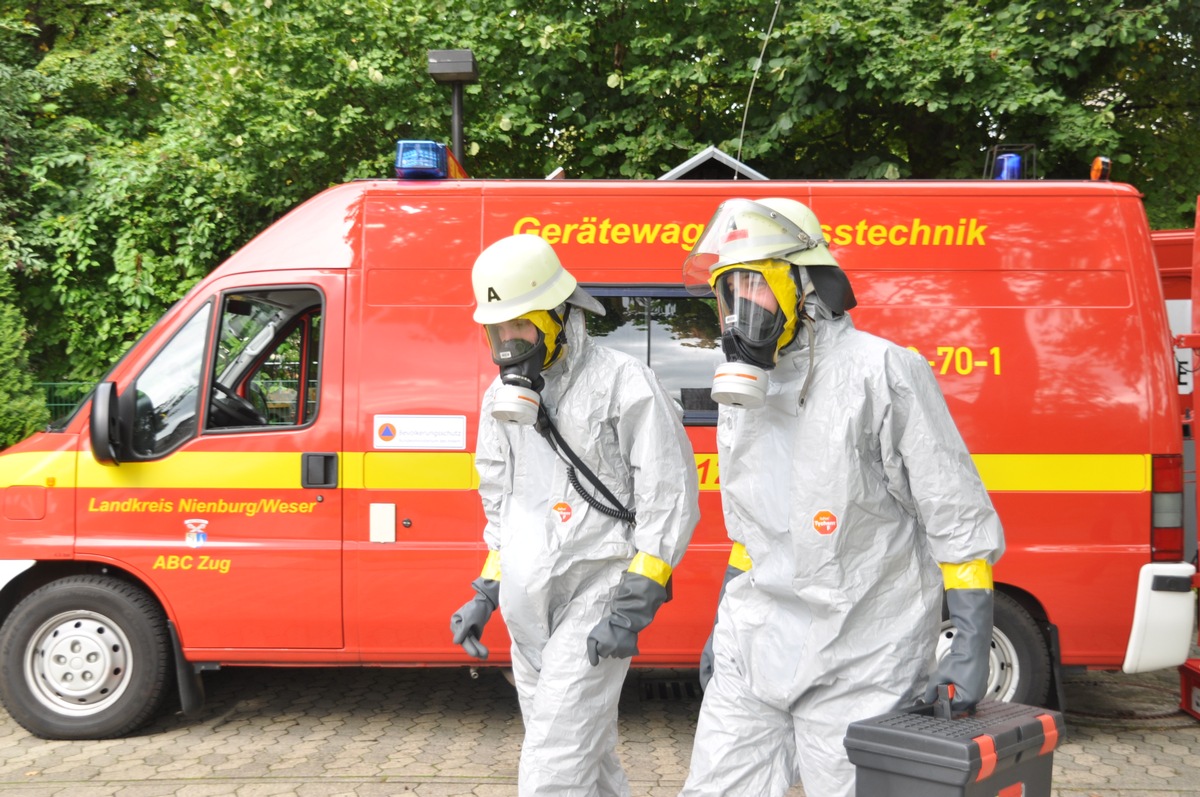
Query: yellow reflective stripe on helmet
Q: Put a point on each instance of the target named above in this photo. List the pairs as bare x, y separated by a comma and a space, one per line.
739, 558
976, 574
491, 566
651, 567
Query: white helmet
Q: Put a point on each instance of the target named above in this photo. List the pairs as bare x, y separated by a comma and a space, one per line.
522, 273
776, 228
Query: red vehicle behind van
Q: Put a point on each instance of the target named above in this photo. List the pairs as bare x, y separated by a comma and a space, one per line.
1178, 256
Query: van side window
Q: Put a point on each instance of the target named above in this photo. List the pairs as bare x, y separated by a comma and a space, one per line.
267, 365
287, 380
166, 394
676, 334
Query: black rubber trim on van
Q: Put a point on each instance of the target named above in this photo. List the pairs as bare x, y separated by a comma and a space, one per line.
1171, 584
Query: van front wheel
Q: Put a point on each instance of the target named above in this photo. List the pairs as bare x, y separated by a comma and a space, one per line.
84, 657
1019, 670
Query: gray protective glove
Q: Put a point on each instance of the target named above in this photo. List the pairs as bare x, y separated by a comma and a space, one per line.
467, 623
966, 663
637, 599
707, 659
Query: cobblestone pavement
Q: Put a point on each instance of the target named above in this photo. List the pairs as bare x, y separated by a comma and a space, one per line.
440, 733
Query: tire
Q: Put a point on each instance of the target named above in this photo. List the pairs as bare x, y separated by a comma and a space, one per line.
1019, 670
85, 657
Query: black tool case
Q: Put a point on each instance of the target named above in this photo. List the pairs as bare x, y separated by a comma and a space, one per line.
1002, 750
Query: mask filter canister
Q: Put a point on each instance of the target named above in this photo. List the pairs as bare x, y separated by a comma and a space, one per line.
738, 384
516, 404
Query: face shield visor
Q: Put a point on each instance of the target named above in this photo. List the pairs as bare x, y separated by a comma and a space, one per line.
523, 347
753, 319
743, 231
757, 305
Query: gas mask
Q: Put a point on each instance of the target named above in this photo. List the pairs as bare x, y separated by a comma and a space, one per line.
755, 325
523, 347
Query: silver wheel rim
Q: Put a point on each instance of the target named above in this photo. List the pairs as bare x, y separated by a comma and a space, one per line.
78, 663
1004, 669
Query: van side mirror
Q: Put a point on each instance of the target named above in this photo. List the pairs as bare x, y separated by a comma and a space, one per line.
105, 424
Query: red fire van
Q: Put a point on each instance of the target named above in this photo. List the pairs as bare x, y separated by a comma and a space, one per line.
1178, 256
280, 472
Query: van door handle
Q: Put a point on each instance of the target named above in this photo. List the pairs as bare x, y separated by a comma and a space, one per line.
319, 470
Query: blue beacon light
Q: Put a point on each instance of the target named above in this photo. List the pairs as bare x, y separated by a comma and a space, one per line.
1008, 167
421, 160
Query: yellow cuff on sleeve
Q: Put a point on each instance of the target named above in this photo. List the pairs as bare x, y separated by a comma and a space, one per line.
651, 567
491, 567
976, 574
739, 558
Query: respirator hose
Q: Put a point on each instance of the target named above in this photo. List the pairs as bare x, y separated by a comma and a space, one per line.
546, 429
620, 512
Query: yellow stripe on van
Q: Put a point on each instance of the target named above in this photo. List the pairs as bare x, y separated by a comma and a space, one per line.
1061, 473
1034, 473
281, 471
404, 470
224, 470
40, 468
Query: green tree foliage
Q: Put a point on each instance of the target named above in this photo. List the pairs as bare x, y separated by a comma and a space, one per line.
22, 408
613, 89
1154, 98
146, 141
94, 168
920, 86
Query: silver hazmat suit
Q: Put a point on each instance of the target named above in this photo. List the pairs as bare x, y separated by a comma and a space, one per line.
845, 506
561, 560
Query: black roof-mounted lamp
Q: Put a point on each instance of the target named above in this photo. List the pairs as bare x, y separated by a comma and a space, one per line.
455, 67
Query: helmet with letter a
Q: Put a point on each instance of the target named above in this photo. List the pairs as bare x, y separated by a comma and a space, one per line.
522, 293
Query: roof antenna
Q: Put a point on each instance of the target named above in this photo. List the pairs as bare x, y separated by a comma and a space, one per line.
757, 66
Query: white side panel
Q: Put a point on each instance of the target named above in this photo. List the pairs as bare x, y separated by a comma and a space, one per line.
383, 523
1163, 620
